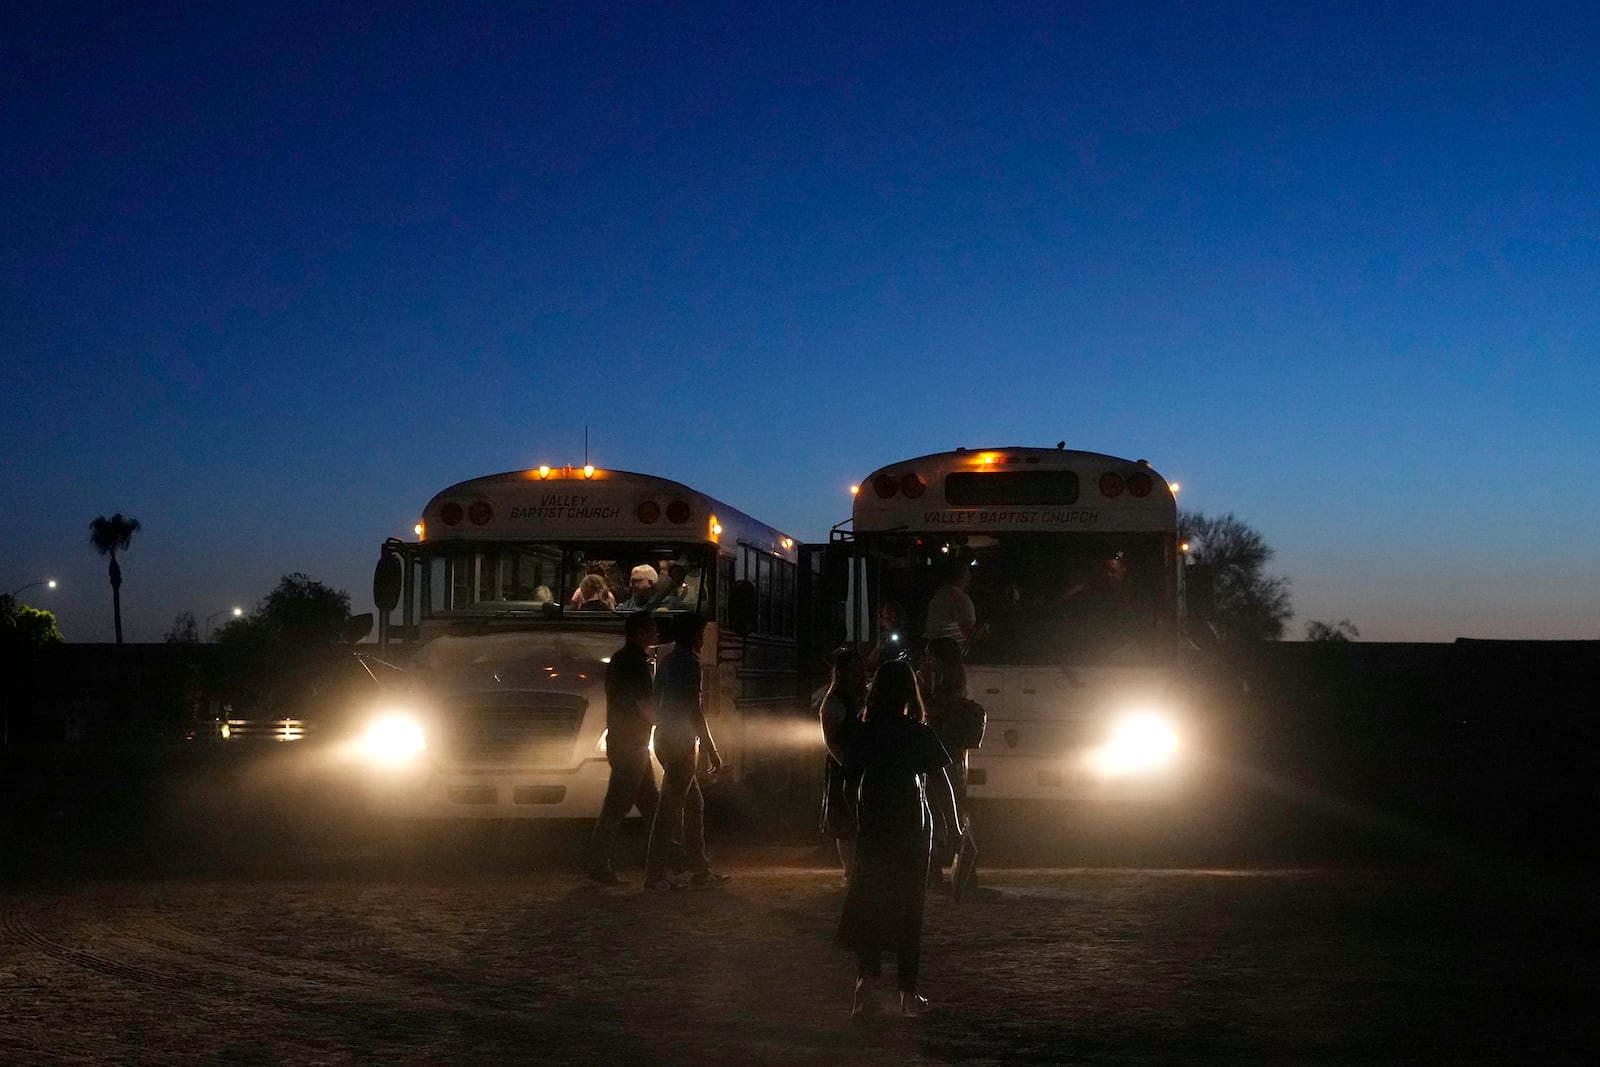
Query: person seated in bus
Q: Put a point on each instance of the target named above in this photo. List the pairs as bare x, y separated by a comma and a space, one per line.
593, 594
1107, 587
642, 586
671, 592
542, 595
593, 570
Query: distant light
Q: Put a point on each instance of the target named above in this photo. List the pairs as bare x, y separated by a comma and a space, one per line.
1184, 548
238, 612
544, 472
51, 584
854, 489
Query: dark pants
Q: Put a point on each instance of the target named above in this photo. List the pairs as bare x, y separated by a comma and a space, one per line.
678, 838
632, 785
908, 958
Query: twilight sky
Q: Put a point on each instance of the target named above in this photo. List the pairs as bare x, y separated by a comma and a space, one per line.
273, 275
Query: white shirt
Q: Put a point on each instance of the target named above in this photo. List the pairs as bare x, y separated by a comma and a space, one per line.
950, 614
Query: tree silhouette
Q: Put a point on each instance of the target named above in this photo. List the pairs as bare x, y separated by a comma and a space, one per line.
1247, 603
1343, 630
107, 536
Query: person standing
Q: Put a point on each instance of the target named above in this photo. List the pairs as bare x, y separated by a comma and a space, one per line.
685, 750
950, 624
630, 716
840, 713
897, 758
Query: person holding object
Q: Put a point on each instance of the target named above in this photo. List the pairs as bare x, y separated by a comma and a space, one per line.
686, 752
897, 758
630, 716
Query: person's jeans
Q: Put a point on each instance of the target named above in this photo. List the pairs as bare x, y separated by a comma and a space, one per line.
632, 784
678, 838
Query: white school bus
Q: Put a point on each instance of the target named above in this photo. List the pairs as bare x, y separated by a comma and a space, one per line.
1076, 576
505, 712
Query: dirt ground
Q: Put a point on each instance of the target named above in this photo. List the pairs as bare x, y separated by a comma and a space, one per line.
334, 962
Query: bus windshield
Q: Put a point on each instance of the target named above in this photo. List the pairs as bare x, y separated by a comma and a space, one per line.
1040, 598
561, 578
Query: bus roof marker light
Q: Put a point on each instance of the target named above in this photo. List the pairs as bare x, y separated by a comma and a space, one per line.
1174, 487
544, 472
417, 529
588, 470
854, 489
716, 527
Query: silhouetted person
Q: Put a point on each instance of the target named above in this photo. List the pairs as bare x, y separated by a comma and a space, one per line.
685, 750
840, 713
630, 715
950, 623
893, 640
897, 758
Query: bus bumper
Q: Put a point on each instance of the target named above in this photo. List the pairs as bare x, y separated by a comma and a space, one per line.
490, 793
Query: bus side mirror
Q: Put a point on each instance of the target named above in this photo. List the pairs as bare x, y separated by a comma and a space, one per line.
1200, 589
387, 579
356, 628
742, 607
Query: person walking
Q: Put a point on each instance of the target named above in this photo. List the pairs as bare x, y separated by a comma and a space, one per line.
630, 716
897, 758
840, 712
686, 751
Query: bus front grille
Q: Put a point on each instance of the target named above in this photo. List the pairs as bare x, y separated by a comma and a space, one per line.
532, 729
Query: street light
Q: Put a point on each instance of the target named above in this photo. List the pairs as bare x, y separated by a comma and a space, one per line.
236, 613
48, 582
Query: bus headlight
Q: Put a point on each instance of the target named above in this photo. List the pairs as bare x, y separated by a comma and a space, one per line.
1140, 742
393, 739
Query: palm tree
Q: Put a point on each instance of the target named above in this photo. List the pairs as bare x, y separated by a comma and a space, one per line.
108, 535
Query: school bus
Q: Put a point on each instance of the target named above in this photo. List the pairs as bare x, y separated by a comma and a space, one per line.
504, 714
1074, 569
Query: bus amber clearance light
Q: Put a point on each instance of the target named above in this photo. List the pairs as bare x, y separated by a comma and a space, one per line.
544, 472
1141, 742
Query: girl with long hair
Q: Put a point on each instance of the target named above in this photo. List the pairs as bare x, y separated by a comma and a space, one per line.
896, 757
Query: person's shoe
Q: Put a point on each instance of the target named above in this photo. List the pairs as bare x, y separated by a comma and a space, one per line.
912, 1005
606, 877
708, 877
863, 1007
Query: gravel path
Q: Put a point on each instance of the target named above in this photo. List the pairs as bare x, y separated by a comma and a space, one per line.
1079, 966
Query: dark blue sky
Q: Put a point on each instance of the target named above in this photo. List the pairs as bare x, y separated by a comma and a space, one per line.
274, 275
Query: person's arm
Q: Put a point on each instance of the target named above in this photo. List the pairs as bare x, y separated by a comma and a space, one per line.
942, 794
702, 729
968, 618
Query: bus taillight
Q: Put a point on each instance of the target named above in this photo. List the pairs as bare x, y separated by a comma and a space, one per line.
451, 514
1140, 483
648, 512
1111, 484
885, 485
913, 486
678, 512
480, 512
